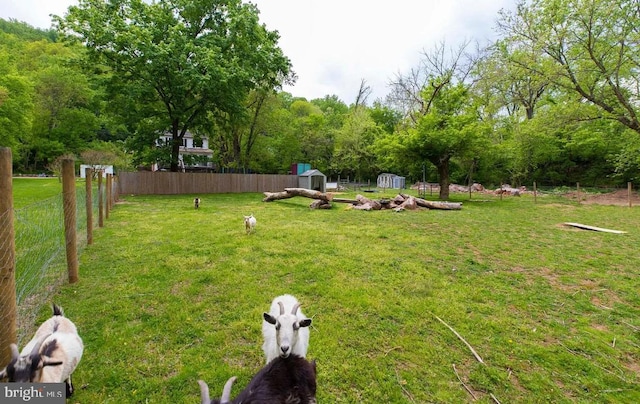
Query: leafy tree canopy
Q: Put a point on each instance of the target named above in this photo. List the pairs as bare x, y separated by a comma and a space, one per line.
181, 59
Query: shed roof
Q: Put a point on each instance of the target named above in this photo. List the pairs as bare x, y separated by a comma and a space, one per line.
311, 173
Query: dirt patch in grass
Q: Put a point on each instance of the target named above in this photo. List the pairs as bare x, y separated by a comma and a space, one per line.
619, 198
554, 280
633, 365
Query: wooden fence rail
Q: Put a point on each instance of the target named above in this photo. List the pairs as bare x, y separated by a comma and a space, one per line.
169, 183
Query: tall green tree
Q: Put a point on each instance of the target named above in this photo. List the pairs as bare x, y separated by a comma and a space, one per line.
440, 117
178, 62
450, 129
354, 154
510, 88
63, 106
315, 136
16, 104
588, 51
278, 146
591, 48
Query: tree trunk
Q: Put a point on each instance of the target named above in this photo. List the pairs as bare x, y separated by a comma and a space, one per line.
443, 178
176, 141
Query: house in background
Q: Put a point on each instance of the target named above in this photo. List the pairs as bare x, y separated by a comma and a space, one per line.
195, 154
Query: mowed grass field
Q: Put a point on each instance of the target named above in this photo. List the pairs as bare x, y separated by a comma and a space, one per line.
29, 190
169, 295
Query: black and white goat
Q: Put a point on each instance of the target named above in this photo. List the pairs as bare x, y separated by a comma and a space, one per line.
196, 203
285, 329
50, 357
281, 381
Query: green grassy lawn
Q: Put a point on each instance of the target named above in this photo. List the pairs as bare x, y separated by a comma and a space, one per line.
169, 295
29, 190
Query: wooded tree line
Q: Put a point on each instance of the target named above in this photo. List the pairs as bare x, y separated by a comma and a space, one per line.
554, 100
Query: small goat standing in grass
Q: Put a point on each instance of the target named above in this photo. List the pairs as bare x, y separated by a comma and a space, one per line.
249, 223
50, 357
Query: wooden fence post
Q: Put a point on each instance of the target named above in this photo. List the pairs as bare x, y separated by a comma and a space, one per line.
108, 197
100, 200
89, 204
578, 191
629, 192
70, 219
8, 310
116, 190
535, 192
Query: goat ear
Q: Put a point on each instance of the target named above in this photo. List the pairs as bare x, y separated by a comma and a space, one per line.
269, 318
3, 374
305, 323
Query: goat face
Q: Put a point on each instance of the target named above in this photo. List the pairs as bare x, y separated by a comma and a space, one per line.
287, 326
26, 369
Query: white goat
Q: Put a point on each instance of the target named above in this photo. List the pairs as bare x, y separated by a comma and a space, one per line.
250, 223
285, 329
50, 357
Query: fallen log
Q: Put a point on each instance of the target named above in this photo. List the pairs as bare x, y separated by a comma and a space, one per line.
291, 192
374, 205
399, 203
320, 204
344, 200
273, 196
436, 204
410, 203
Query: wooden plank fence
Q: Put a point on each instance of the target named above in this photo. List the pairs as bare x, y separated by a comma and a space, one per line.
170, 183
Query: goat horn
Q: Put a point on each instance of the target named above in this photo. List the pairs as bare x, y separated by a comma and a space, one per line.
14, 352
295, 308
281, 308
204, 392
226, 391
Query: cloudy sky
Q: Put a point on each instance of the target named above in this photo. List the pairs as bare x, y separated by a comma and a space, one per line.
334, 44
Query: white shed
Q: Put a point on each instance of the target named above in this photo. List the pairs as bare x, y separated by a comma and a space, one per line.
387, 180
313, 179
106, 169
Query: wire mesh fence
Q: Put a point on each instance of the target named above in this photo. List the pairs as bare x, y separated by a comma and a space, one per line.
40, 261
38, 244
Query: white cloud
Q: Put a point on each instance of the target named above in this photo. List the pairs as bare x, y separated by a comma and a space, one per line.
333, 44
